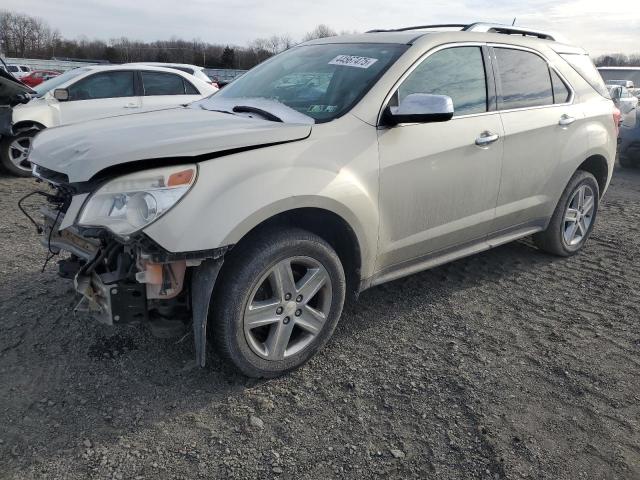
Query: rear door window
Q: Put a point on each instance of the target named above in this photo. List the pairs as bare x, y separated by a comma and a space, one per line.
456, 72
103, 85
161, 83
523, 78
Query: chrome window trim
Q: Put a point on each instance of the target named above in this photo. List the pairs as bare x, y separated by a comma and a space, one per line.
434, 50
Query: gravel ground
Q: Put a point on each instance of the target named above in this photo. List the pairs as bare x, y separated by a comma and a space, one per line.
509, 364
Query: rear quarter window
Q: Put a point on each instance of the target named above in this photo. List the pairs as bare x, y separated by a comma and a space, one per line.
587, 70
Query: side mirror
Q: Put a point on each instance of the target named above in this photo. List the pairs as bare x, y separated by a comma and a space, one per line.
61, 94
420, 108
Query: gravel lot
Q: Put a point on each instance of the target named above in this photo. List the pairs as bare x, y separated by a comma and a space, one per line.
509, 364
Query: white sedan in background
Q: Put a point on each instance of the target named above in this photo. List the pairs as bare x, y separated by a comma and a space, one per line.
194, 70
92, 92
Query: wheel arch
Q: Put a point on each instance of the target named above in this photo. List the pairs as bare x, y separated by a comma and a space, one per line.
26, 125
328, 225
597, 166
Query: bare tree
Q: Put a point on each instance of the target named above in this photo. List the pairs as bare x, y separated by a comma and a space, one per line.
321, 31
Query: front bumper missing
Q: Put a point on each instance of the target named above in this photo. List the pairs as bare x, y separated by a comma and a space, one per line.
68, 239
119, 303
145, 279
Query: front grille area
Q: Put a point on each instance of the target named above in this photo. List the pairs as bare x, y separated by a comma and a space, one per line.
50, 175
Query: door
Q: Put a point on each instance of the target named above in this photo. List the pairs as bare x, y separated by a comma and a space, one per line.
162, 90
439, 181
104, 94
540, 128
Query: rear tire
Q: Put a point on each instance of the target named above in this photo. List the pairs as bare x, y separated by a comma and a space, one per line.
14, 152
277, 302
574, 217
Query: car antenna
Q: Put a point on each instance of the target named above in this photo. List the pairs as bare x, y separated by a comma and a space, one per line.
514, 21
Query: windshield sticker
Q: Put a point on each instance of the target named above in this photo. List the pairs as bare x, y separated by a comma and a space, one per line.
322, 108
353, 61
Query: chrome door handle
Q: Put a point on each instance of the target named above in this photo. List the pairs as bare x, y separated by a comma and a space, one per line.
566, 120
486, 139
132, 105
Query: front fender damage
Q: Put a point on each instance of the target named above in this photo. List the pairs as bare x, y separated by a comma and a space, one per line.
202, 282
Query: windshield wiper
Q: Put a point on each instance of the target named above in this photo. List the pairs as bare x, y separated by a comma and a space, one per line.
263, 113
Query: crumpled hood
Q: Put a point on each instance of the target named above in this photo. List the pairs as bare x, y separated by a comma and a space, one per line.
82, 150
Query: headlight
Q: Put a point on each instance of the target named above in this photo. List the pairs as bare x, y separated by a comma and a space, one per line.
130, 203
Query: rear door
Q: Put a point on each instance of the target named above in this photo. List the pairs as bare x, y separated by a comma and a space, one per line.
103, 94
540, 127
163, 89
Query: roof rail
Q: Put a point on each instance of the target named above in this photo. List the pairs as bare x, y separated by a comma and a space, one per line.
420, 27
507, 29
476, 27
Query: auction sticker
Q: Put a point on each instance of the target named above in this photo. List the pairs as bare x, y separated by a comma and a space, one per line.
353, 61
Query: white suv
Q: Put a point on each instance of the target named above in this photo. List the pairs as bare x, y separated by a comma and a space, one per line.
340, 164
92, 92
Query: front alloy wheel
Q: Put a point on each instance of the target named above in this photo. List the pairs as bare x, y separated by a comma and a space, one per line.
277, 301
288, 308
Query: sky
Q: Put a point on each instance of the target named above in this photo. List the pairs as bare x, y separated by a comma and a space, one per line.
598, 26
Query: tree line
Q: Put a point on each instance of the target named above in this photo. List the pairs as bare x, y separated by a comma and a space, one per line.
25, 36
618, 60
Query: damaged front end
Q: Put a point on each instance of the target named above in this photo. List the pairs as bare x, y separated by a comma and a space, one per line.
126, 277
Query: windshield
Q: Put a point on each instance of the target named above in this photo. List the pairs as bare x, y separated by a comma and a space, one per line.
321, 81
610, 76
55, 82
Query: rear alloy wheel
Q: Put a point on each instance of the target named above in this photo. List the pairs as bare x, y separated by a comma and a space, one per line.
579, 215
14, 153
573, 218
278, 302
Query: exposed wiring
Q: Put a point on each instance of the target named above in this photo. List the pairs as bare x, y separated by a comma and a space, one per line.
22, 209
51, 252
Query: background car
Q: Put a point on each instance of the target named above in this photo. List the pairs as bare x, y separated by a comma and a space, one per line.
626, 103
194, 70
625, 83
36, 77
18, 71
631, 74
93, 92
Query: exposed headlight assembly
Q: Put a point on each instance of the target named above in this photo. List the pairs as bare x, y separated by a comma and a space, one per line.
129, 203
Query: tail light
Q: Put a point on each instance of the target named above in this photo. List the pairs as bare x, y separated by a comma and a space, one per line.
617, 119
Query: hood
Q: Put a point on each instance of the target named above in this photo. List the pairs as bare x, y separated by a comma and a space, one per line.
82, 150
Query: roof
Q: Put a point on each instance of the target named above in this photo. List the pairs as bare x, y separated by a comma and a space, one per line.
476, 32
130, 66
161, 64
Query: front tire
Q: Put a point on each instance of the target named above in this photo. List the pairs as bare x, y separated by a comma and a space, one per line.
279, 299
14, 152
573, 218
